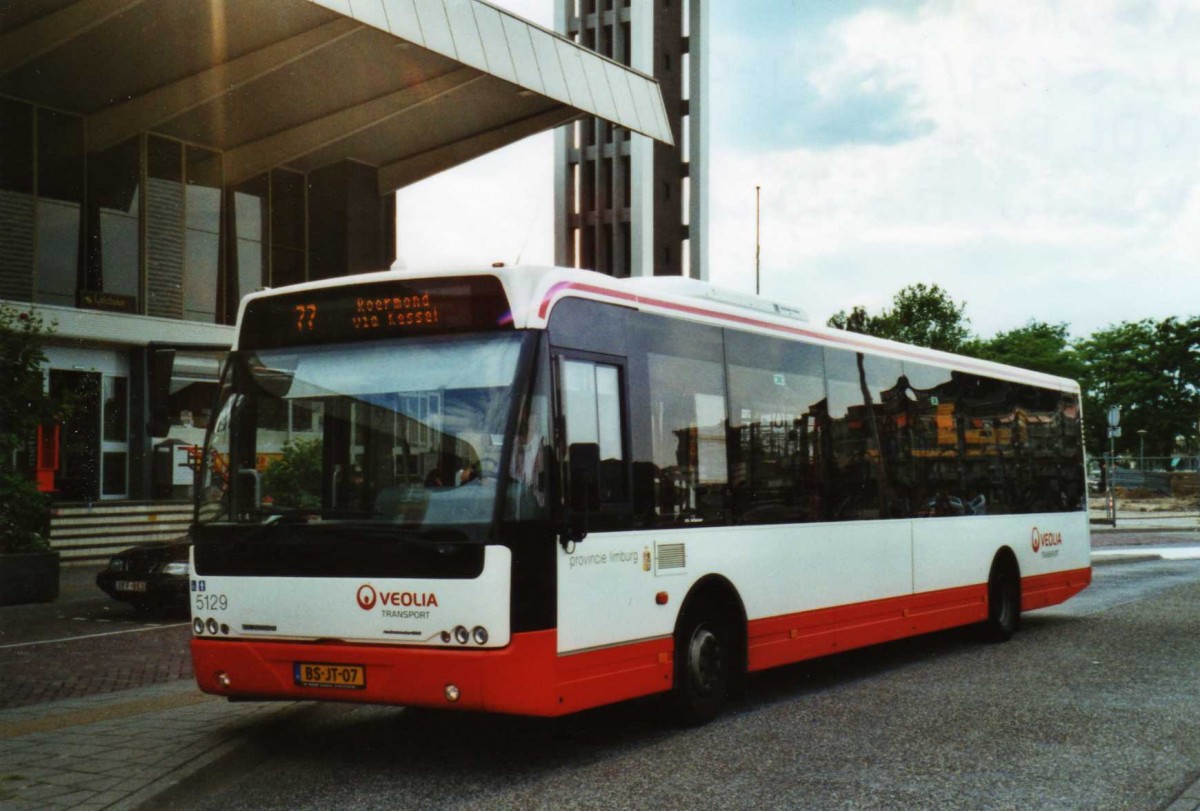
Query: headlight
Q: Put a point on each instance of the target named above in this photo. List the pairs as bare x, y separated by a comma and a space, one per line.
116, 564
177, 567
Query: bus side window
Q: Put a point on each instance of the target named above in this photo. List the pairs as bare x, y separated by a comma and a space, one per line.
777, 393
591, 403
688, 439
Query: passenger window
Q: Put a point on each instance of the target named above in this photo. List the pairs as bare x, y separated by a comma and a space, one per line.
777, 397
866, 395
591, 394
687, 426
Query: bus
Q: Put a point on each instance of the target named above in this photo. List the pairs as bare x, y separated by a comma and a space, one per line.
540, 490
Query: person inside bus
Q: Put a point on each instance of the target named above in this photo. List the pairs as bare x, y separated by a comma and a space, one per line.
434, 479
468, 474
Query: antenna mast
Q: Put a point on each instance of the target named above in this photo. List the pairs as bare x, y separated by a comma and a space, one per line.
757, 246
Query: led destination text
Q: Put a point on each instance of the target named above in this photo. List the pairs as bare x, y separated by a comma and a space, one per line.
377, 313
394, 311
371, 311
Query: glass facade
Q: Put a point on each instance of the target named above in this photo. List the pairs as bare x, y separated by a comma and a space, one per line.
144, 227
114, 198
148, 226
59, 206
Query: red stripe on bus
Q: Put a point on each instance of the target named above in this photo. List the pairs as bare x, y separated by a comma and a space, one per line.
960, 362
806, 635
809, 634
519, 678
530, 677
1042, 590
617, 673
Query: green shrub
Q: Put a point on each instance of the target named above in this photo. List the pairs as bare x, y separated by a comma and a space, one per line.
24, 404
24, 515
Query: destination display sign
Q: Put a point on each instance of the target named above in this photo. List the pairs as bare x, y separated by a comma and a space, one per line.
385, 309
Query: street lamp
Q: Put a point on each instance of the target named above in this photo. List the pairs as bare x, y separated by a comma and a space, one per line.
1142, 449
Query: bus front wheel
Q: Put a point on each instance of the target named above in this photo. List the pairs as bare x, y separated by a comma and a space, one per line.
1004, 600
704, 662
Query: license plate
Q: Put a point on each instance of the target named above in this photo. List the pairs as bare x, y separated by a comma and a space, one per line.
344, 677
131, 585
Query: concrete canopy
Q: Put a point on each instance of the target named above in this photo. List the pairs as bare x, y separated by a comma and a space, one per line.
411, 87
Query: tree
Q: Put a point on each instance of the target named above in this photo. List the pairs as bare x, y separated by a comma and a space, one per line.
294, 480
920, 315
24, 512
1038, 345
1152, 371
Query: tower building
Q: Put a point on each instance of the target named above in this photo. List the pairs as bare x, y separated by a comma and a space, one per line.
624, 204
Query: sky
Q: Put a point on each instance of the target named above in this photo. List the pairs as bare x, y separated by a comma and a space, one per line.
1036, 160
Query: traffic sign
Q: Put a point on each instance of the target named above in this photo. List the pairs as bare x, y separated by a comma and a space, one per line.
1114, 416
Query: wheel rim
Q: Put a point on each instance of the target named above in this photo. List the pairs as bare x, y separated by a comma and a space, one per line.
706, 667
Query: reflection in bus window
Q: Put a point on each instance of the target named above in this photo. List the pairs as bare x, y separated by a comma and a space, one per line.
687, 425
777, 395
383, 446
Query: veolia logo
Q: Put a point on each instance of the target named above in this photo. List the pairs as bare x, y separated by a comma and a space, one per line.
1045, 539
366, 597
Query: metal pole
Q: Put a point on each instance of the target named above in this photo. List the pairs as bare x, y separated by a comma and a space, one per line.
757, 244
1112, 470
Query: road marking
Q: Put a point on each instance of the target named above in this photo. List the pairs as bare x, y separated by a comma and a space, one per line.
93, 636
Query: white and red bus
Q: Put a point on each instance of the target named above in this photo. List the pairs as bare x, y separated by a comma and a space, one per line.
541, 490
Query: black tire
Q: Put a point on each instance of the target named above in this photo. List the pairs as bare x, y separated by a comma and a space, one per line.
1004, 601
705, 660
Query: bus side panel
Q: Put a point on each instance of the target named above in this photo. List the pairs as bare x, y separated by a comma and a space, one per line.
614, 674
950, 552
777, 570
791, 638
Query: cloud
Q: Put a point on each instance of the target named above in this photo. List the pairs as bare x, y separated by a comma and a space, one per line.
770, 94
1035, 160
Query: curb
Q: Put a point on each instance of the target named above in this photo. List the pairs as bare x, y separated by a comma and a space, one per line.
1189, 800
1104, 529
1133, 557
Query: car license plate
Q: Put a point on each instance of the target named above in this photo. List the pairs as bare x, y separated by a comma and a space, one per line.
316, 674
131, 585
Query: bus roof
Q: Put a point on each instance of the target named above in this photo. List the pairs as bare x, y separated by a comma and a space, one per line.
534, 291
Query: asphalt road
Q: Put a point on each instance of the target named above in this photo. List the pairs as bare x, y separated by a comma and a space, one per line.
1092, 705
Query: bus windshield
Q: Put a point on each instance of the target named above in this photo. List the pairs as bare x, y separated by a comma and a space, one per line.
407, 433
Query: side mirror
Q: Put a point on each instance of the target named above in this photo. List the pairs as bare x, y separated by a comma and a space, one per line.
248, 492
262, 380
584, 462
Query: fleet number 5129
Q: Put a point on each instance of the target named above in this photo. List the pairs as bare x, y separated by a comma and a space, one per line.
211, 602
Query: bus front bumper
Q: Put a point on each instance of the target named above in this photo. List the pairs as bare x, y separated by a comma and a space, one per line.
527, 677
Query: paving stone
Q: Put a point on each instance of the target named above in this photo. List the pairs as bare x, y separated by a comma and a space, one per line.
43, 792
73, 799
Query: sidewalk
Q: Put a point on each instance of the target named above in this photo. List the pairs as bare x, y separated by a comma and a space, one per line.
118, 750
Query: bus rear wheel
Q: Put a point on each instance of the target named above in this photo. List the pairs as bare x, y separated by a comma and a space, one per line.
704, 663
1004, 601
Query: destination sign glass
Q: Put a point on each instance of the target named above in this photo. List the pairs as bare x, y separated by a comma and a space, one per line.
375, 310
